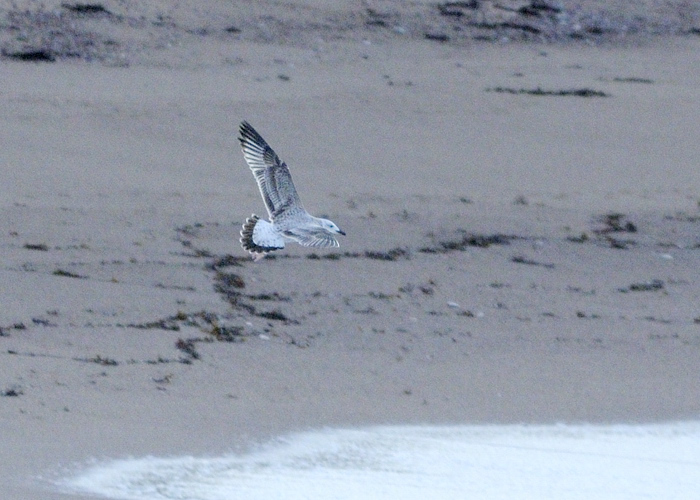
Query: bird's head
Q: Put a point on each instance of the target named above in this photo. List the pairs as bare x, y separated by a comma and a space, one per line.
330, 226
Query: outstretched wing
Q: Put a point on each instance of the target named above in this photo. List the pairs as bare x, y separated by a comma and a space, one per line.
271, 173
312, 237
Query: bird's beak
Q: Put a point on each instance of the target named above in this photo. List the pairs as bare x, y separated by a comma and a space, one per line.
341, 232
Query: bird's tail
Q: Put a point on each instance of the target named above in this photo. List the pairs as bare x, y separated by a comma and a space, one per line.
259, 237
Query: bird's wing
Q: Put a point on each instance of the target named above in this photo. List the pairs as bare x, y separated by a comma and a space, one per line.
312, 237
271, 173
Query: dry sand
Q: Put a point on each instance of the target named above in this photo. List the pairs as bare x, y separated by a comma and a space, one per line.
510, 257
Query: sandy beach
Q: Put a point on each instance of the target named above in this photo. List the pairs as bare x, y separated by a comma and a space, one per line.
522, 209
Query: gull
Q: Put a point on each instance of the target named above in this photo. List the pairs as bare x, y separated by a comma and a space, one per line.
288, 219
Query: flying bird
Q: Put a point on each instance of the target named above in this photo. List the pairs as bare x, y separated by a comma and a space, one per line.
288, 218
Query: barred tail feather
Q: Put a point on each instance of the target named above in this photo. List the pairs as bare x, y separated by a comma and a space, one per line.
259, 237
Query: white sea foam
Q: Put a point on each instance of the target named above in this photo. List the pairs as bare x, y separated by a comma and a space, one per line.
579, 462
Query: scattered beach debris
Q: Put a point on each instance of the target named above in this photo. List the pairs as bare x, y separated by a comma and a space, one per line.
165, 379
4, 331
684, 217
376, 18
46, 35
582, 238
425, 288
469, 240
438, 37
161, 360
31, 55
86, 8
619, 243
520, 200
508, 18
195, 252
456, 9
162, 324
275, 315
187, 347
42, 247
42, 322
217, 328
583, 92
393, 254
583, 315
498, 284
227, 261
227, 333
616, 223
647, 286
93, 31
229, 280
654, 319
230, 285
468, 314
67, 274
519, 259
330, 256
100, 360
632, 80
270, 296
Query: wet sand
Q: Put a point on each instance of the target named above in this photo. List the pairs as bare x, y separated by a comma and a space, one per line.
516, 252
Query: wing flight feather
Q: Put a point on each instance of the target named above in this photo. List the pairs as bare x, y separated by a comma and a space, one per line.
271, 173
